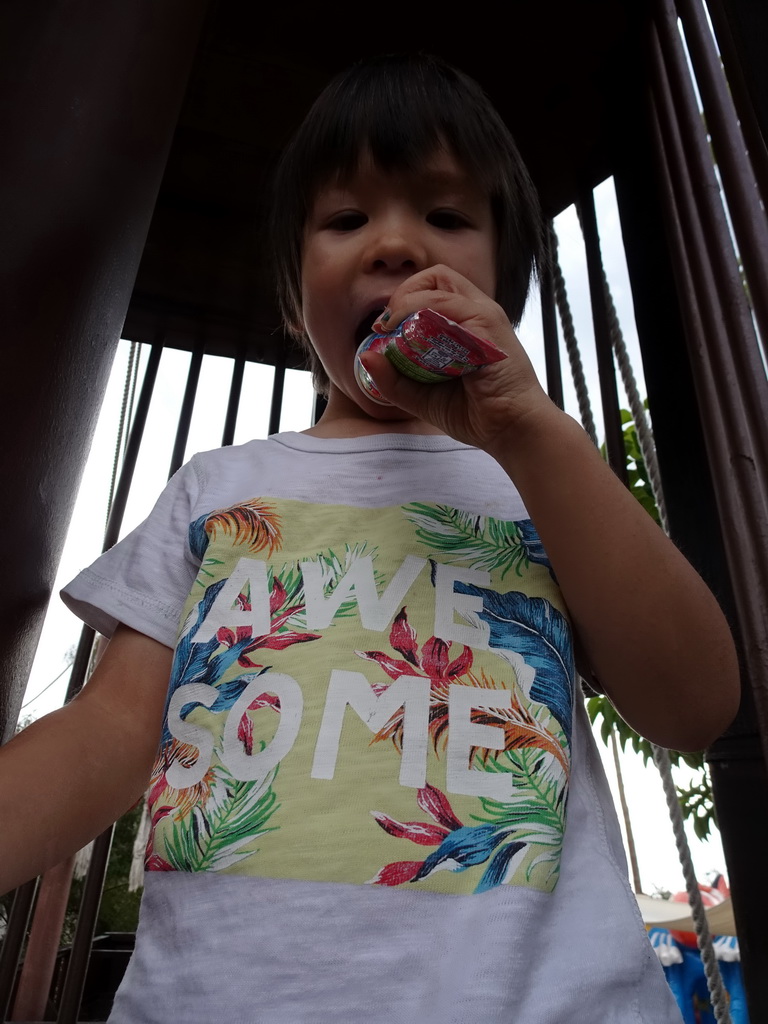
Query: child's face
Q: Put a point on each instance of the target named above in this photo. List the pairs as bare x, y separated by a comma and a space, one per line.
366, 235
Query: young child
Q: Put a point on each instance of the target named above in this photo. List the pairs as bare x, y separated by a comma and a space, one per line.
373, 725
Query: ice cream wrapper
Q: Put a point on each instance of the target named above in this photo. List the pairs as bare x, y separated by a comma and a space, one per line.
429, 348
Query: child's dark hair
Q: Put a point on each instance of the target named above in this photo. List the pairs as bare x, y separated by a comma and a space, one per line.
401, 108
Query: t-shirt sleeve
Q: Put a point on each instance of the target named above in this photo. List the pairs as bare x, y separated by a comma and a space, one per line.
144, 580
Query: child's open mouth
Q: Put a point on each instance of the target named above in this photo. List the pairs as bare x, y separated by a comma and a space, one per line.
364, 327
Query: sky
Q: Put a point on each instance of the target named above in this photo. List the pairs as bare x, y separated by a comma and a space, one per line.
657, 857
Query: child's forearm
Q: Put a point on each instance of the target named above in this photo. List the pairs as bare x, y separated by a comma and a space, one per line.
69, 775
651, 631
57, 791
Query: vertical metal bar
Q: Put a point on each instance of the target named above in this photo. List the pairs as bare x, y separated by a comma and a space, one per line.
187, 407
737, 465
735, 760
88, 911
18, 920
44, 935
747, 214
742, 443
72, 992
112, 532
20, 911
233, 405
614, 436
744, 352
551, 340
132, 450
132, 62
81, 663
737, 33
277, 399
740, 788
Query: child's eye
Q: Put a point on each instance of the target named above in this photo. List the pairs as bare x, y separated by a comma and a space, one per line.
347, 220
447, 220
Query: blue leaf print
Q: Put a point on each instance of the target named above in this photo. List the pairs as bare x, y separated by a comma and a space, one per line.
198, 538
191, 660
462, 848
198, 663
500, 869
231, 690
535, 629
531, 544
228, 694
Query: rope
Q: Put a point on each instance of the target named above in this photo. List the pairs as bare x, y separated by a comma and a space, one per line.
718, 995
636, 406
134, 381
128, 392
569, 336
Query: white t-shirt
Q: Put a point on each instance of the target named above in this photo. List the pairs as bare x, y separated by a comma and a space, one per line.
372, 732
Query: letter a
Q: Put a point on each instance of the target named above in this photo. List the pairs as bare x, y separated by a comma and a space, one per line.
225, 611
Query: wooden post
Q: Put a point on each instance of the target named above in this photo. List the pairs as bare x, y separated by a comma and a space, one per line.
92, 92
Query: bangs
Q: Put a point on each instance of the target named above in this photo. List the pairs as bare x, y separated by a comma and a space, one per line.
400, 110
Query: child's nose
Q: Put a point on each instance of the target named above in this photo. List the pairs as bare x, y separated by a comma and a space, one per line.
396, 248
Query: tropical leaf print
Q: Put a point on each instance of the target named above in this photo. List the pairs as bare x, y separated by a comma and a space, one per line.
236, 814
458, 846
212, 661
191, 661
522, 726
333, 567
185, 754
482, 541
253, 523
431, 661
530, 541
534, 628
535, 811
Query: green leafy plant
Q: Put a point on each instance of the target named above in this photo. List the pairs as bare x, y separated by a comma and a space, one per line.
696, 799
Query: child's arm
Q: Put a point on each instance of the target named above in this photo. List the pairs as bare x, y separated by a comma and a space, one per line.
68, 776
652, 633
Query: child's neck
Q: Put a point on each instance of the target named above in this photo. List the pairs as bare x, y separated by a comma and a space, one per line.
344, 418
364, 427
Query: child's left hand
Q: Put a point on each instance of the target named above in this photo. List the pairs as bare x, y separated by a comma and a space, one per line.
678, 683
481, 408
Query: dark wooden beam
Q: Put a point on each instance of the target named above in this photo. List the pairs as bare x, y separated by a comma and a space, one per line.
91, 94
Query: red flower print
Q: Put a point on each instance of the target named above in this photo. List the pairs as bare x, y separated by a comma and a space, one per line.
420, 832
277, 639
459, 846
423, 833
432, 661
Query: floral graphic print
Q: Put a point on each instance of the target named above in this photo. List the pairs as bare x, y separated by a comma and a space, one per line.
386, 670
545, 773
211, 819
458, 846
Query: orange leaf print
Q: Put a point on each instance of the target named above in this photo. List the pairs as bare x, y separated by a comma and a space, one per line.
252, 522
